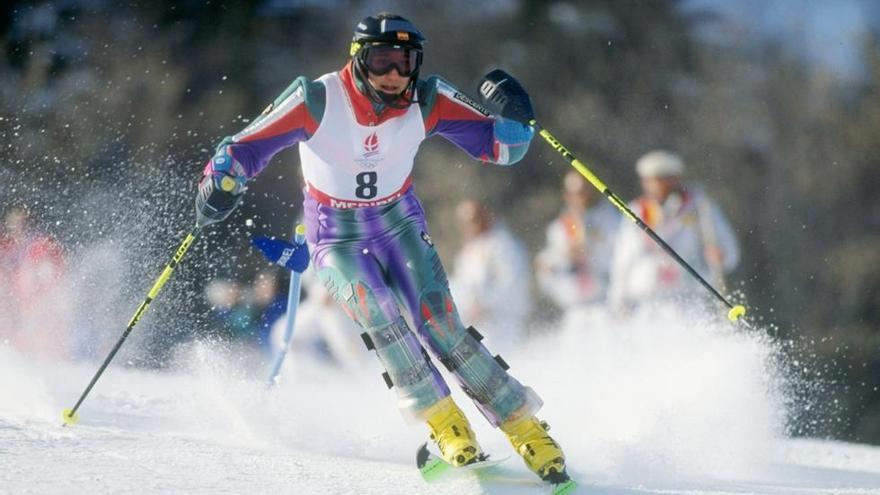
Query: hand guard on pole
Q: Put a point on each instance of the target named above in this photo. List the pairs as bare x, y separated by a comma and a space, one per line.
504, 96
220, 190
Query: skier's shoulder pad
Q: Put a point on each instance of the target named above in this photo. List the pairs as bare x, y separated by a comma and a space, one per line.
313, 93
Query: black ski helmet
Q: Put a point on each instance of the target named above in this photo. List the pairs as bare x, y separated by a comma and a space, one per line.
389, 29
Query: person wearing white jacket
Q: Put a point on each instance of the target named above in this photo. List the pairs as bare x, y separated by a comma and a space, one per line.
688, 220
490, 279
574, 267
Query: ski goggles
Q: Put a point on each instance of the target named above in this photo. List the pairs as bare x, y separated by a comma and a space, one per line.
380, 59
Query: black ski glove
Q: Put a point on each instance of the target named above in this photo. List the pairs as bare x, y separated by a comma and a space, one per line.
503, 95
219, 195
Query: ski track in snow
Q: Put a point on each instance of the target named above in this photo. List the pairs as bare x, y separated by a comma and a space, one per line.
655, 406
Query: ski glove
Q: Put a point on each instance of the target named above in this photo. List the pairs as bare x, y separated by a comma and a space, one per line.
220, 190
504, 96
294, 257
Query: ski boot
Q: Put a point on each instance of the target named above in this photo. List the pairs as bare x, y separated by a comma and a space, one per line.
539, 451
452, 433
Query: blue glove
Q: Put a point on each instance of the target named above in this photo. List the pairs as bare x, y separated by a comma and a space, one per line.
511, 132
294, 257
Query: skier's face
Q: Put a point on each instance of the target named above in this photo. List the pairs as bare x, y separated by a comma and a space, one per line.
391, 83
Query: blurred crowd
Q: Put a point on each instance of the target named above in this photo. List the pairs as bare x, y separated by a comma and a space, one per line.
594, 263
32, 267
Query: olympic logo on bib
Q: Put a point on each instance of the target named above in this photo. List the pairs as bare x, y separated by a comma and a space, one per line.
370, 157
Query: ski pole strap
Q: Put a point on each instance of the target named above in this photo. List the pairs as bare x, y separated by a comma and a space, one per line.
69, 415
735, 311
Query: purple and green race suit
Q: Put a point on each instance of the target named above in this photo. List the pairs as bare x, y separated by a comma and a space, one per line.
367, 232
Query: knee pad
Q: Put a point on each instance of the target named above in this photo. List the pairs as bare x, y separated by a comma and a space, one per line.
361, 303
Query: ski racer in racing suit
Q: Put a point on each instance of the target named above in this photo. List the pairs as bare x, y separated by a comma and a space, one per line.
358, 131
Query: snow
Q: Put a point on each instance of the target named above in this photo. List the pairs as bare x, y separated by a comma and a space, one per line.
660, 404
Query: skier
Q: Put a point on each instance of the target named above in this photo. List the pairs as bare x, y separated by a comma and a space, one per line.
573, 269
490, 279
358, 131
683, 215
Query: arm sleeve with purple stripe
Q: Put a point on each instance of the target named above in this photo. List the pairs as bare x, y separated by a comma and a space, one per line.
292, 117
453, 115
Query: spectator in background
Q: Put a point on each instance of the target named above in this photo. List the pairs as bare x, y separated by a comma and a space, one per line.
34, 316
574, 267
234, 319
688, 220
490, 280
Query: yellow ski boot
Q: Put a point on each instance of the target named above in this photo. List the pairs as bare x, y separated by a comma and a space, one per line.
452, 433
540, 452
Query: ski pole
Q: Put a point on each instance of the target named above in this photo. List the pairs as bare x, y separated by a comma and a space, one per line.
503, 95
69, 415
735, 312
293, 295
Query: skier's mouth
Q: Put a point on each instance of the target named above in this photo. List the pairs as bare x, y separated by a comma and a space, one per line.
389, 89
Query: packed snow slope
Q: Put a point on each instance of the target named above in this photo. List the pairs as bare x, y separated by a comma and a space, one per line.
653, 405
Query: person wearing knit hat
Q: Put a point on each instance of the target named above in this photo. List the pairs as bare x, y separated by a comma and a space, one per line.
688, 219
660, 163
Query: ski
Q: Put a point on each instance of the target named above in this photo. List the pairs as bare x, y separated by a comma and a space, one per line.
564, 488
433, 467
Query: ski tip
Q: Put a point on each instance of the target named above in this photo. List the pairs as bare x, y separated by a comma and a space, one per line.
422, 455
69, 417
736, 312
564, 488
430, 467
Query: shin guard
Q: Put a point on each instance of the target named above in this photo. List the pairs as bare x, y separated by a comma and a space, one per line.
485, 379
498, 395
407, 368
